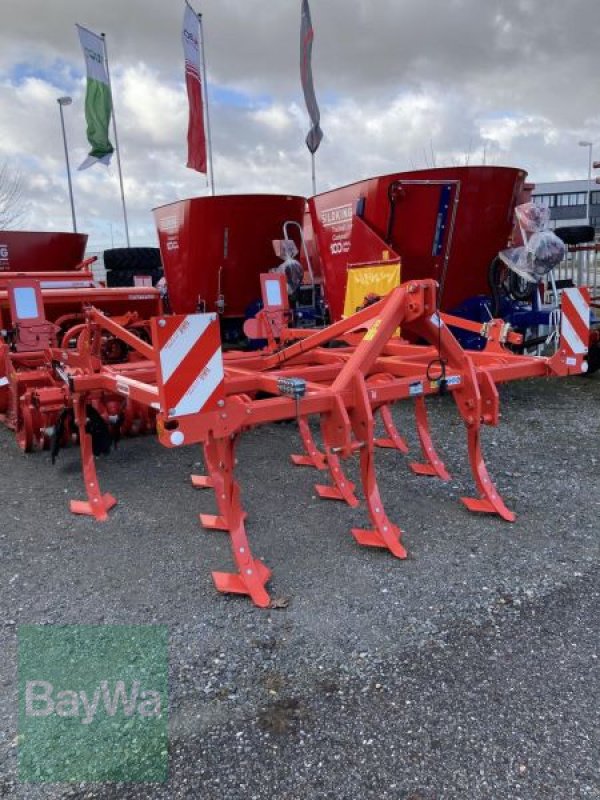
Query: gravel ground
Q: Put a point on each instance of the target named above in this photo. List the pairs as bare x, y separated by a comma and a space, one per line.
468, 671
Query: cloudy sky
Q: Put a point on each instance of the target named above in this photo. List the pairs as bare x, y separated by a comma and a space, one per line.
400, 82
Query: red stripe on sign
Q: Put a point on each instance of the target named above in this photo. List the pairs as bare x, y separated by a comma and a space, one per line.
578, 325
172, 324
192, 365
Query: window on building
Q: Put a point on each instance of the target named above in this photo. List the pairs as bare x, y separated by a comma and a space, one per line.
548, 200
571, 199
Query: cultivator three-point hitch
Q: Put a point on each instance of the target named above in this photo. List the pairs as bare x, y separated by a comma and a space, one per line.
399, 348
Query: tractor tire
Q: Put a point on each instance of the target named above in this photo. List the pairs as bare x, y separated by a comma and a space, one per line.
138, 260
119, 278
576, 234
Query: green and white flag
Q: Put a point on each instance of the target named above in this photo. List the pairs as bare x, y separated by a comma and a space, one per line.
98, 101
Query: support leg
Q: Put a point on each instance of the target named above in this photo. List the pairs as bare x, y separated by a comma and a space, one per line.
433, 465
97, 505
490, 501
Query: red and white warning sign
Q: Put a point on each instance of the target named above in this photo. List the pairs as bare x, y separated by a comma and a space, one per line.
575, 322
189, 363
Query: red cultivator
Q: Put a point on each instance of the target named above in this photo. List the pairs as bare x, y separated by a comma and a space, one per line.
203, 396
43, 310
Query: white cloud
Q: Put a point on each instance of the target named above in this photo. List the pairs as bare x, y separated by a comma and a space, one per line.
400, 82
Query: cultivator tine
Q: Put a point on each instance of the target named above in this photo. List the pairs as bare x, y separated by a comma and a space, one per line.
253, 574
342, 489
313, 457
433, 465
490, 501
203, 481
394, 439
97, 505
384, 534
216, 480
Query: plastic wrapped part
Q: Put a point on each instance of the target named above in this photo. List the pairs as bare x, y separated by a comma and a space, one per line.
542, 251
294, 273
532, 218
285, 249
537, 258
546, 251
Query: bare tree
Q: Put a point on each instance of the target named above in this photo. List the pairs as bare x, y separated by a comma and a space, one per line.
12, 202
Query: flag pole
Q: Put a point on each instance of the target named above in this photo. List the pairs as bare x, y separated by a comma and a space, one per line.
315, 134
114, 119
205, 82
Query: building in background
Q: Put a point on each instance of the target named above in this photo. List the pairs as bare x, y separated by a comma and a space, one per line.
567, 202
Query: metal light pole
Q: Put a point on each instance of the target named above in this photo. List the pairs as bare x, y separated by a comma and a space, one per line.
66, 101
588, 195
590, 146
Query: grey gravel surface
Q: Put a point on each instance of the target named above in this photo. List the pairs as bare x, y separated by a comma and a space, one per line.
468, 671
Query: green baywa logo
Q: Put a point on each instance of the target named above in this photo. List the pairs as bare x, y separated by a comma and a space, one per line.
41, 700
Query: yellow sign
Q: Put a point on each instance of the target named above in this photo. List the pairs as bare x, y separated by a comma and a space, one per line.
363, 281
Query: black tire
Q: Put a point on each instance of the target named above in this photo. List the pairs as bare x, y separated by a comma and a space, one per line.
138, 260
503, 282
119, 278
520, 288
576, 234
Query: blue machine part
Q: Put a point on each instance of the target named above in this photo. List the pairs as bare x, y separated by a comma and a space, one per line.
441, 220
520, 315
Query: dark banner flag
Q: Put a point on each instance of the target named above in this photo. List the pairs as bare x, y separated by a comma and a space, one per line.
191, 48
315, 134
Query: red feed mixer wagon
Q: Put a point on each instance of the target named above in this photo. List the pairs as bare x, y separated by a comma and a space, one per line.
28, 251
214, 249
462, 227
445, 224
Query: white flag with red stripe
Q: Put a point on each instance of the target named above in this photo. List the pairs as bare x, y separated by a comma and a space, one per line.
191, 47
190, 364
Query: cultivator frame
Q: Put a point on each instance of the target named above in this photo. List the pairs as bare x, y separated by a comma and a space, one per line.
54, 313
203, 396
